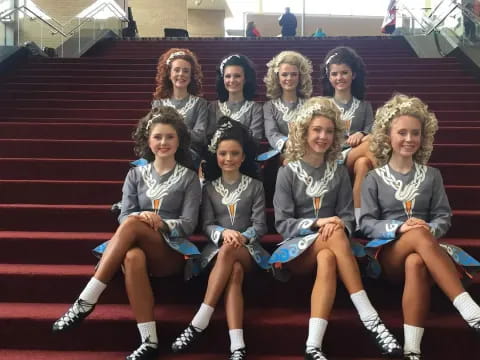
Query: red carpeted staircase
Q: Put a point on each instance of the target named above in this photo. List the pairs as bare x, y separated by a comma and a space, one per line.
65, 147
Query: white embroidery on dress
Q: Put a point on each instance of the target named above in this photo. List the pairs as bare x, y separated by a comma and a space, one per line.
315, 189
238, 114
192, 100
288, 114
406, 194
347, 116
230, 199
156, 192
280, 143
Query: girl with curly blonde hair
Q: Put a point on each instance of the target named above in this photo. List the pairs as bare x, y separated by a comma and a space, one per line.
405, 211
314, 215
179, 85
289, 84
344, 80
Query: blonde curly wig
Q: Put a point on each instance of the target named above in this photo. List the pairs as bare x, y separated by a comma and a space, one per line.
304, 87
297, 138
399, 105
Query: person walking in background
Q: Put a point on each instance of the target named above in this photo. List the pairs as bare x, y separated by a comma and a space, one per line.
252, 30
288, 22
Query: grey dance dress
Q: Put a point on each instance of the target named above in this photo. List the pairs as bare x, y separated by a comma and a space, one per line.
239, 206
390, 198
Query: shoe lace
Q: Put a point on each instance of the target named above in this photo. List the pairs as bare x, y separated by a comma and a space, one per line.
412, 356
316, 353
238, 354
382, 335
79, 307
186, 336
143, 349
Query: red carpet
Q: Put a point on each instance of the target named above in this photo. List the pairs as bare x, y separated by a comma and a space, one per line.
65, 144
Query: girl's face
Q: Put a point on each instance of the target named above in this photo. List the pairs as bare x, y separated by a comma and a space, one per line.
320, 134
340, 76
163, 141
288, 77
405, 136
233, 78
180, 73
230, 156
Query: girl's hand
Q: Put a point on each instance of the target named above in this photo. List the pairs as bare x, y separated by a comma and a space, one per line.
233, 238
327, 230
151, 219
355, 139
413, 223
333, 219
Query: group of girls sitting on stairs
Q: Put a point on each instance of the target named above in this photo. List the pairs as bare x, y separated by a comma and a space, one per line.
398, 202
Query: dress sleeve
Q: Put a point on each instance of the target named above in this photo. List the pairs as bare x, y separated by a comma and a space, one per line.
130, 204
200, 129
440, 212
284, 204
370, 223
275, 138
257, 121
344, 205
367, 129
186, 223
213, 231
258, 219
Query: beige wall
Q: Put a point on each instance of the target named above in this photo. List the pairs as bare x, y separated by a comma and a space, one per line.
152, 16
206, 23
333, 25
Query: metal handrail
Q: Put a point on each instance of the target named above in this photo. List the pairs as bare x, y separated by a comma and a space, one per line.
93, 13
10, 11
25, 9
407, 9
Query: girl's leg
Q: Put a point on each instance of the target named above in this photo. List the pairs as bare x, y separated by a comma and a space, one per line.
217, 282
360, 170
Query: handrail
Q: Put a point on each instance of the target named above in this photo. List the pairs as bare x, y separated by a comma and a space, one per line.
420, 22
25, 9
434, 27
95, 11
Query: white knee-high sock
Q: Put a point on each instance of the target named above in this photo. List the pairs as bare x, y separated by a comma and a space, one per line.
92, 291
413, 338
365, 309
316, 331
357, 216
148, 332
468, 308
236, 339
202, 317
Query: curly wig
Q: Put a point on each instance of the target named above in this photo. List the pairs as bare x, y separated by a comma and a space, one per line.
163, 115
164, 87
304, 66
348, 56
240, 133
399, 105
298, 129
250, 86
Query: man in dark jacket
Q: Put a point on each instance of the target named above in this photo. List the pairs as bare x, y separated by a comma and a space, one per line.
288, 22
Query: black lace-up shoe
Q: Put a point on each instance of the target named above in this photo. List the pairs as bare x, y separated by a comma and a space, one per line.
476, 326
412, 356
240, 354
74, 315
314, 353
146, 351
185, 339
383, 338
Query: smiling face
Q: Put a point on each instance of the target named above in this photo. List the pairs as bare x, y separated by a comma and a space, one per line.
230, 156
234, 78
340, 76
320, 135
405, 136
288, 77
163, 141
180, 73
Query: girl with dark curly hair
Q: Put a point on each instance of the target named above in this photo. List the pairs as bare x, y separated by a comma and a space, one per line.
405, 211
236, 85
344, 80
179, 85
159, 211
233, 208
314, 215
